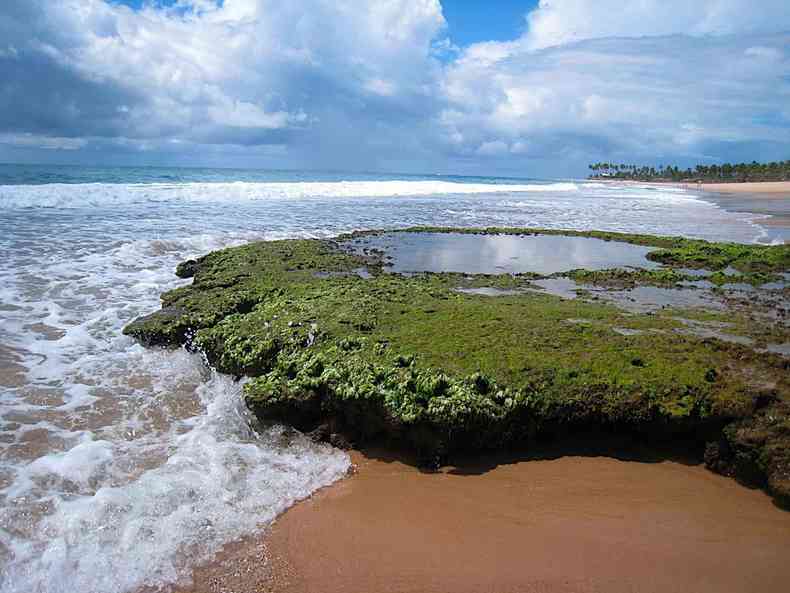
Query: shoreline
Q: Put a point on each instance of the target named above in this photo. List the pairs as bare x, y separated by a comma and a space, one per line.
616, 512
170, 439
767, 199
770, 200
553, 525
776, 189
780, 189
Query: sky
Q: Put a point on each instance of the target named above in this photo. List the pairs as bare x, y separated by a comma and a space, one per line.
524, 88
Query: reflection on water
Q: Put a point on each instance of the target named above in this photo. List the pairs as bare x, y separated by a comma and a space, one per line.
645, 299
501, 254
565, 288
490, 291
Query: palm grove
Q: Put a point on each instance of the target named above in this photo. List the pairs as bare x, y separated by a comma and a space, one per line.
739, 172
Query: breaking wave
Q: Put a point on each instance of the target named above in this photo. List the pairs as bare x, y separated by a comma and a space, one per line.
64, 195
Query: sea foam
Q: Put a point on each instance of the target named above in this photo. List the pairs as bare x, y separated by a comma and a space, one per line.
60, 195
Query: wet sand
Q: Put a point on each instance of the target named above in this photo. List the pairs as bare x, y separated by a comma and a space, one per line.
775, 189
574, 523
768, 198
774, 206
768, 189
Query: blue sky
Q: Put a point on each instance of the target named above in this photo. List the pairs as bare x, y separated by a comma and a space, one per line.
469, 21
472, 21
394, 85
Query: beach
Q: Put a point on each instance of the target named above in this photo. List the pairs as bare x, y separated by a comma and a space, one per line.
112, 448
775, 189
771, 199
394, 296
559, 524
768, 199
616, 518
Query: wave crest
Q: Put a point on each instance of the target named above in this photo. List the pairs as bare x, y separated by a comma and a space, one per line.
62, 195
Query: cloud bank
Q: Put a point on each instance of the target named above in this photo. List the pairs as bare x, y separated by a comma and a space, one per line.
378, 84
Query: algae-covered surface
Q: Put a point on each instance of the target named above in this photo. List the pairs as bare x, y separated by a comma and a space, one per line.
336, 340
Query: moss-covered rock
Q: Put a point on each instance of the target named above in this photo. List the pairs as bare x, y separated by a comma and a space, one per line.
409, 360
756, 451
667, 277
628, 278
717, 256
187, 269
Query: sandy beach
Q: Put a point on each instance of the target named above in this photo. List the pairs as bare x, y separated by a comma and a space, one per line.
775, 189
89, 412
771, 199
571, 523
394, 296
762, 189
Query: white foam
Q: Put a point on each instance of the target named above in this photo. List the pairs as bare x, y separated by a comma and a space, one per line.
79, 464
58, 195
221, 481
139, 449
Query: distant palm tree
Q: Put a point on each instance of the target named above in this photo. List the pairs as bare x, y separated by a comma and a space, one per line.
754, 171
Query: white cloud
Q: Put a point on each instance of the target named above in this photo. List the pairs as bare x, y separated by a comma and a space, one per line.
204, 71
242, 114
650, 96
493, 148
644, 78
357, 83
44, 142
765, 53
557, 22
385, 88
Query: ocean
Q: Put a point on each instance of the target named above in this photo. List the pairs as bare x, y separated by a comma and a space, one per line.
122, 467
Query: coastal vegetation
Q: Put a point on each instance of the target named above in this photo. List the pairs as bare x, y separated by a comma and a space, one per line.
410, 361
725, 173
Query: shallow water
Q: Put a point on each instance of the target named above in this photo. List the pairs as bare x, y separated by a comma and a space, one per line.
565, 288
122, 467
650, 299
643, 299
640, 299
489, 291
500, 254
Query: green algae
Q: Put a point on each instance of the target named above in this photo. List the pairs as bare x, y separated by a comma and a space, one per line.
627, 278
664, 277
233, 281
756, 451
718, 256
719, 278
409, 360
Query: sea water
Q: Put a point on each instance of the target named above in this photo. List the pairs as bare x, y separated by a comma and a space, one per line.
498, 254
122, 467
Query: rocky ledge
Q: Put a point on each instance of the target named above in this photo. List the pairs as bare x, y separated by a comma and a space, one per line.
409, 360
